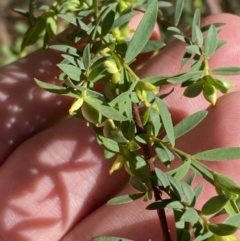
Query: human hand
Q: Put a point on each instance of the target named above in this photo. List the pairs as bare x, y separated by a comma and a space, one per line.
55, 181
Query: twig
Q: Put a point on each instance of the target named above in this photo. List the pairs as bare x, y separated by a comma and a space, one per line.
151, 168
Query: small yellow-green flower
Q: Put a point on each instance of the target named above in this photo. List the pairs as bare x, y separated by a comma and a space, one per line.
120, 34
111, 66
123, 4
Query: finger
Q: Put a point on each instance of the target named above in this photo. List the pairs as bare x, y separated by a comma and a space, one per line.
131, 221
168, 62
25, 108
52, 181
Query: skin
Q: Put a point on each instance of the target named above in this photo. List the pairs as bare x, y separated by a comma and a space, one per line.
54, 179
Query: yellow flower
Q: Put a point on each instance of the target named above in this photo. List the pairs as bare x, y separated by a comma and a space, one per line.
76, 105
118, 164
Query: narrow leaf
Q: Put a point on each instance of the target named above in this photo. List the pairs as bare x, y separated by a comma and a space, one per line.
231, 70
188, 124
178, 11
158, 204
124, 199
73, 72
195, 23
162, 177
107, 22
167, 120
219, 154
215, 204
184, 77
55, 88
122, 20
211, 41
86, 56
143, 32
106, 111
190, 216
138, 185
153, 45
222, 229
180, 172
109, 144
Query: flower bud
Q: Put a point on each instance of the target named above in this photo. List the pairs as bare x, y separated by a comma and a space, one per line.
193, 89
118, 164
148, 86
210, 93
76, 105
116, 78
111, 67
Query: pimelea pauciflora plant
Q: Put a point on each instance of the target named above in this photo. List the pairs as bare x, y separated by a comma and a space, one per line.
129, 116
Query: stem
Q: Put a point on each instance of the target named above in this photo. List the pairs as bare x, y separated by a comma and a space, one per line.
151, 168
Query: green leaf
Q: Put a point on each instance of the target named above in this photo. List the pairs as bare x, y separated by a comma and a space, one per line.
122, 97
189, 194
109, 144
199, 36
178, 11
180, 172
188, 124
167, 120
56, 89
190, 178
108, 238
226, 184
164, 4
124, 199
233, 220
158, 204
162, 177
231, 70
34, 32
155, 119
205, 173
222, 229
75, 21
106, 111
176, 188
211, 41
219, 154
198, 189
138, 185
184, 77
86, 56
175, 205
65, 48
190, 216
122, 20
107, 22
143, 32
195, 23
194, 49
153, 45
215, 204
164, 154
71, 71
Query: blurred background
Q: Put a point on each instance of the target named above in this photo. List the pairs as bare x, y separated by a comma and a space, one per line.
13, 26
